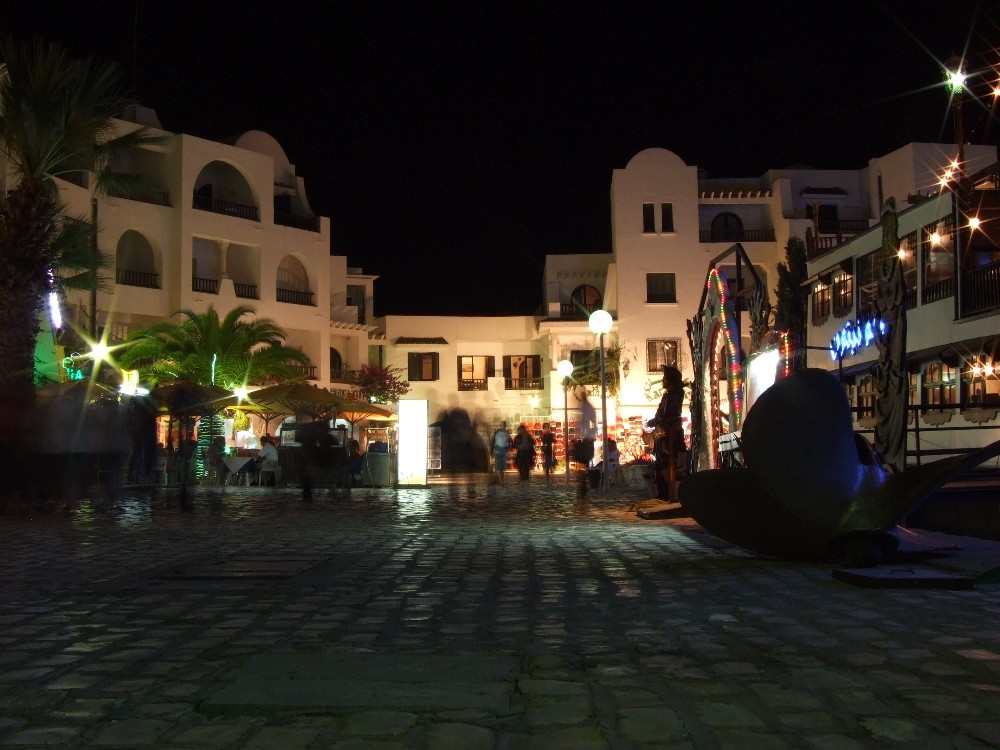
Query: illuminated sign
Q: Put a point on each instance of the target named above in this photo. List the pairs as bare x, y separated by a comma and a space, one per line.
411, 460
853, 336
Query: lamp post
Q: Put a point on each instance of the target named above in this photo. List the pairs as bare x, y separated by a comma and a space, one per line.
565, 368
955, 83
600, 323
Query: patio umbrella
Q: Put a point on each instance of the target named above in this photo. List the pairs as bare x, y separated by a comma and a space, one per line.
353, 411
186, 398
298, 399
84, 391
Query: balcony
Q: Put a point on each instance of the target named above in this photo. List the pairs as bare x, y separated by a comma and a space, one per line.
981, 289
137, 278
205, 286
577, 310
142, 195
246, 291
472, 384
823, 242
524, 384
342, 375
239, 210
304, 371
736, 235
294, 297
308, 223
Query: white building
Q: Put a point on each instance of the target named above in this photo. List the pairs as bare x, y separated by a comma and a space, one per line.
229, 223
952, 278
223, 224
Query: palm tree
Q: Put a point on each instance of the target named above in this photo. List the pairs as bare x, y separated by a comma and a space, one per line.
229, 352
56, 120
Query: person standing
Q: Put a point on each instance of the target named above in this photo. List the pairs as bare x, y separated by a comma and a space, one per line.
501, 444
669, 449
548, 451
524, 458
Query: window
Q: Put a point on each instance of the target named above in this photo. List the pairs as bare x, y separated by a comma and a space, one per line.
866, 282
843, 295
908, 262
473, 372
649, 218
827, 217
582, 358
820, 303
938, 260
336, 365
666, 217
939, 386
727, 227
522, 372
981, 383
661, 287
422, 366
866, 398
582, 302
660, 352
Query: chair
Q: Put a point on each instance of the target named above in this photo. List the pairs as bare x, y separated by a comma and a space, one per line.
272, 467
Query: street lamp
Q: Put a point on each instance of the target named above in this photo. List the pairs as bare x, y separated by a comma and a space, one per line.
565, 368
955, 77
600, 323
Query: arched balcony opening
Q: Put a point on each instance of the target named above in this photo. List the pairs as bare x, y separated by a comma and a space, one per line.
222, 189
293, 282
582, 302
135, 261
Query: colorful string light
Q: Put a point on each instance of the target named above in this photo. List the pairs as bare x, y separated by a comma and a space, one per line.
716, 278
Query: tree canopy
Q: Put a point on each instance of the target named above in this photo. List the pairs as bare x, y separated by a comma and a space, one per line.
231, 351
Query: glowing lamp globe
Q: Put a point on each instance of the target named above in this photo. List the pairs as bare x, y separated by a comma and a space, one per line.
601, 321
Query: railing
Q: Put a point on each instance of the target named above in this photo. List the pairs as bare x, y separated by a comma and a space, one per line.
309, 223
137, 278
142, 195
577, 310
917, 414
293, 297
736, 235
981, 289
208, 286
524, 384
472, 384
940, 290
246, 291
817, 245
229, 208
304, 371
343, 375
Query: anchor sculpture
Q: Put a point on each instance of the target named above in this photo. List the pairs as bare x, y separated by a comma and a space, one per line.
811, 488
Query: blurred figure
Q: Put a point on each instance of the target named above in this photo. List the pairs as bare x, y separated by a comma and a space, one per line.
501, 443
524, 456
548, 451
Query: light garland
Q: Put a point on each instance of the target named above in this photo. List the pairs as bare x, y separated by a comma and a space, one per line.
728, 328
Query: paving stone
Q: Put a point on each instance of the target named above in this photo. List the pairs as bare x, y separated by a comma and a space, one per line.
461, 614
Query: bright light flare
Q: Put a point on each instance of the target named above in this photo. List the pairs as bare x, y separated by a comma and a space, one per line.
974, 223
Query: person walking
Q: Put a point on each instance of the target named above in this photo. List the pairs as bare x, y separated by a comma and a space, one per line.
524, 458
548, 451
501, 444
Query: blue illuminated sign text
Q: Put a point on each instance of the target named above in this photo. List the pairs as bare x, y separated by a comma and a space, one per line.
853, 336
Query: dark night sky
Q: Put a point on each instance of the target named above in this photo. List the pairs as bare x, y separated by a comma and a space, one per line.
454, 145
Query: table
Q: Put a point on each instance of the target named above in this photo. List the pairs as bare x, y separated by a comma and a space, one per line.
244, 465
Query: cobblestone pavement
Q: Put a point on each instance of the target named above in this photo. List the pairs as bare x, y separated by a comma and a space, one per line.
466, 616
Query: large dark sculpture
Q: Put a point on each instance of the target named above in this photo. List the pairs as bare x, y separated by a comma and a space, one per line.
811, 488
891, 381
